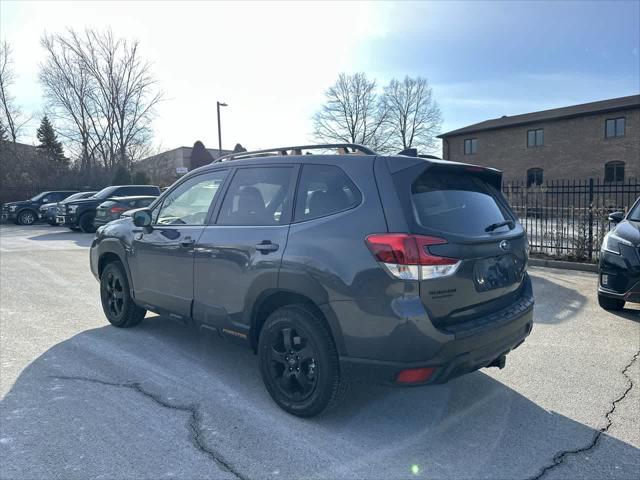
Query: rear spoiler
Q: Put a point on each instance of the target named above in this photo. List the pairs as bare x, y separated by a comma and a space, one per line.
492, 176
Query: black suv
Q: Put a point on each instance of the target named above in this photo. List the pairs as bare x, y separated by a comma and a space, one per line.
619, 267
25, 212
333, 268
81, 213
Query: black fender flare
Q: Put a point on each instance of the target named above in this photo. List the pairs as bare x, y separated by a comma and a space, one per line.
115, 247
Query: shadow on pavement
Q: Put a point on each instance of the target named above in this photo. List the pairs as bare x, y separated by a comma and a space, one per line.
570, 303
79, 238
57, 421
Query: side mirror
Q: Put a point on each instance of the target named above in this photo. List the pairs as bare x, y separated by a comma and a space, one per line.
616, 217
45, 200
142, 218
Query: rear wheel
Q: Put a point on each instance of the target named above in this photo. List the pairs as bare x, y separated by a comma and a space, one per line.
26, 217
86, 222
299, 362
117, 304
609, 303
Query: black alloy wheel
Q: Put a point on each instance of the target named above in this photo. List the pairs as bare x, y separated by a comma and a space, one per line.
299, 361
117, 304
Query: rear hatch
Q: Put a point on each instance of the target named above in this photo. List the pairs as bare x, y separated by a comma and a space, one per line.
111, 210
473, 248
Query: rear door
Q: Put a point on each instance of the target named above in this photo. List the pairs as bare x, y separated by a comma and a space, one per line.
162, 262
238, 257
459, 213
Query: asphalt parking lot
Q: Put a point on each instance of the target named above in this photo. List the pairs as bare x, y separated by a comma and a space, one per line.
82, 399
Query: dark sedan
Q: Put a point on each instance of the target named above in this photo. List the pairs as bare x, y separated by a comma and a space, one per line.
113, 208
620, 261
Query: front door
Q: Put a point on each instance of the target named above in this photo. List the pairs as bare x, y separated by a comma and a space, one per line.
162, 262
238, 256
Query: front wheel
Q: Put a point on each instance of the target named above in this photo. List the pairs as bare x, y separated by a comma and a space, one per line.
608, 303
26, 217
86, 222
299, 362
117, 304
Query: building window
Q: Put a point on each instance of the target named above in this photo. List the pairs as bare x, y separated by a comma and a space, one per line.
470, 146
614, 127
614, 172
535, 138
534, 176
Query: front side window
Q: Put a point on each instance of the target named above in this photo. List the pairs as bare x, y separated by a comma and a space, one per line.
535, 176
535, 138
614, 127
324, 190
614, 172
188, 204
470, 146
258, 196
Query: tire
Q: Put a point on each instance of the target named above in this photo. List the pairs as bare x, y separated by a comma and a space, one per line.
299, 362
26, 217
53, 223
117, 304
608, 303
85, 222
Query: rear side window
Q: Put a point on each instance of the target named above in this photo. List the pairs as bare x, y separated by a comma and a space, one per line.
143, 202
456, 203
258, 196
324, 190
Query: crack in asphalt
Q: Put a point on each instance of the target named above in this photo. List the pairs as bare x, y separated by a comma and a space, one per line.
192, 409
559, 457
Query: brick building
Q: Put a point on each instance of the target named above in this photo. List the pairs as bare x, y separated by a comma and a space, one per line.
591, 140
166, 167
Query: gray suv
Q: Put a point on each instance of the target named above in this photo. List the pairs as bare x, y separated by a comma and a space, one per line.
333, 268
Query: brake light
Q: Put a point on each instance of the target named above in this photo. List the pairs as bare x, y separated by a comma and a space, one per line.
117, 209
408, 257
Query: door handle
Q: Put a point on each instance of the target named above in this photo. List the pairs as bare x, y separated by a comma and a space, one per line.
266, 246
187, 242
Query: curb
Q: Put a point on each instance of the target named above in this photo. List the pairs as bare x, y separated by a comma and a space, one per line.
582, 267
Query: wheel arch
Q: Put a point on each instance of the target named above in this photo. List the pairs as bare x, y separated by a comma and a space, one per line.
112, 250
272, 300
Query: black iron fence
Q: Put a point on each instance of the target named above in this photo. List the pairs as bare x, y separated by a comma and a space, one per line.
567, 219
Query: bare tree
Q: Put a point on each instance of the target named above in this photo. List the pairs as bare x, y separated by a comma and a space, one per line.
11, 117
106, 93
413, 116
352, 113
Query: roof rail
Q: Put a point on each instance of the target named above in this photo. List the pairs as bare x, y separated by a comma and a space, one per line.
297, 151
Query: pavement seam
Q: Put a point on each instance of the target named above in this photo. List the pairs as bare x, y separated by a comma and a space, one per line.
558, 458
192, 409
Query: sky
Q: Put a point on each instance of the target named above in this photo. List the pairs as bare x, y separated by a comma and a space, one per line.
271, 62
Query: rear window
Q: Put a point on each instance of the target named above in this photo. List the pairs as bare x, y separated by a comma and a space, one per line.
461, 204
108, 204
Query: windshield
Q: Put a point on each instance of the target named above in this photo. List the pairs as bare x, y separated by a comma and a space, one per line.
105, 192
38, 197
634, 214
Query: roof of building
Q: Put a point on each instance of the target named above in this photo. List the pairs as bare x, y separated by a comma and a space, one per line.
603, 106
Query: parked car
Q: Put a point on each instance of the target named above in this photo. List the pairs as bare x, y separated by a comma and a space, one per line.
113, 208
619, 267
25, 212
80, 214
49, 211
399, 270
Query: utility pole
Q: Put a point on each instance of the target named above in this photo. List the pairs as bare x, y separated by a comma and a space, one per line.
218, 105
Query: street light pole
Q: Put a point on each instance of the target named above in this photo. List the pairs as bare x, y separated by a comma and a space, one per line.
218, 105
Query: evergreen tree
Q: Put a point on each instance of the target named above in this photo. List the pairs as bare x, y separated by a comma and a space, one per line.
121, 176
49, 144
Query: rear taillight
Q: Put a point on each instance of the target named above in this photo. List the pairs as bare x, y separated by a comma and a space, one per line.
408, 257
117, 209
415, 375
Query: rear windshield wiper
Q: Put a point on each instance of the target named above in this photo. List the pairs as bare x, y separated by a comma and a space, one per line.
493, 226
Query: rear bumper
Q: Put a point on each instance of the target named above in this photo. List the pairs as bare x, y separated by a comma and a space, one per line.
452, 355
